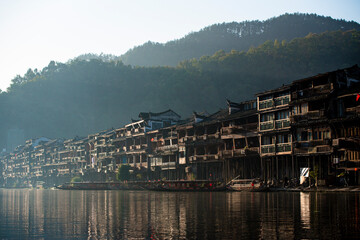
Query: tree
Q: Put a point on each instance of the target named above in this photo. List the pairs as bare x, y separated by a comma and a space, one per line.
76, 179
314, 175
123, 173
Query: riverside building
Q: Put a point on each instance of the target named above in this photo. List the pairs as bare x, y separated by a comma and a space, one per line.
310, 123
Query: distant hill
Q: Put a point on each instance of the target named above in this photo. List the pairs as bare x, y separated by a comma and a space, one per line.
85, 96
232, 36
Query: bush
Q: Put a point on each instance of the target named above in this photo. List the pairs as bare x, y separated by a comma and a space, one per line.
76, 179
123, 173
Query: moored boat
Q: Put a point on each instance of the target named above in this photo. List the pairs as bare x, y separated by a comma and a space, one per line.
101, 186
186, 185
250, 185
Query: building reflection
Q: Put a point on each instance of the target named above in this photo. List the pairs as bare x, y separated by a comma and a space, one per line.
305, 210
165, 215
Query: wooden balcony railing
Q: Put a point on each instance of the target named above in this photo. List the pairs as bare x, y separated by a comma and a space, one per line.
283, 123
266, 125
268, 148
283, 147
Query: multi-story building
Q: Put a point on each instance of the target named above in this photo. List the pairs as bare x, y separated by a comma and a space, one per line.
240, 141
164, 154
274, 132
324, 109
201, 145
134, 142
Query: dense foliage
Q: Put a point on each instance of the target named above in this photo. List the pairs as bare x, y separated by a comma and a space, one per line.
232, 36
86, 96
123, 173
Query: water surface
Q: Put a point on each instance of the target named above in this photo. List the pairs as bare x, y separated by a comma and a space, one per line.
59, 214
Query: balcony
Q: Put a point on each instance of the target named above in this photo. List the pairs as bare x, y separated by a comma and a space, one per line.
283, 123
265, 149
239, 129
319, 142
168, 165
240, 152
281, 101
266, 125
278, 148
310, 92
276, 102
266, 104
283, 147
105, 154
167, 148
311, 115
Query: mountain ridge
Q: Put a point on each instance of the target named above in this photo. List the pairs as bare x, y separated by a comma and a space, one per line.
238, 36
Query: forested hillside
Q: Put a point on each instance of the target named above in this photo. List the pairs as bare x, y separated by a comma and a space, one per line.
86, 96
232, 36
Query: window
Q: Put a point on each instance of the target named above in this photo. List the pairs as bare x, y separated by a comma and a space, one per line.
304, 108
326, 134
318, 134
282, 115
283, 138
304, 136
296, 109
267, 117
301, 109
266, 140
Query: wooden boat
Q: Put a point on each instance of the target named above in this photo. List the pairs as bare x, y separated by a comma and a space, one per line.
250, 185
186, 185
102, 186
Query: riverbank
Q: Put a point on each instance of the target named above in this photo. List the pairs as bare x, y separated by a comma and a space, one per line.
318, 189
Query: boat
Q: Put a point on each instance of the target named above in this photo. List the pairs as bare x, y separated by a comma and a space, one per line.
186, 185
101, 186
250, 185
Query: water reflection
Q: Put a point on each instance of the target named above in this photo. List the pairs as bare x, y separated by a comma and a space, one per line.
43, 214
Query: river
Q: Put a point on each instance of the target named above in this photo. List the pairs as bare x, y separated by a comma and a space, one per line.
60, 214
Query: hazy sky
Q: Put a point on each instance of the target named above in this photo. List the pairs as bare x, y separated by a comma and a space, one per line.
34, 32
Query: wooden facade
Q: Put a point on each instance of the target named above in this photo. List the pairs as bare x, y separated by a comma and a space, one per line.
310, 123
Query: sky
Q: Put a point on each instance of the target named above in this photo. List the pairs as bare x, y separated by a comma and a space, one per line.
33, 33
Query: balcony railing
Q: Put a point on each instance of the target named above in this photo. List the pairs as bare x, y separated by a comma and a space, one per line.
283, 100
283, 123
168, 148
266, 125
283, 147
278, 148
240, 152
279, 101
266, 104
309, 92
268, 148
168, 165
311, 115
105, 154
